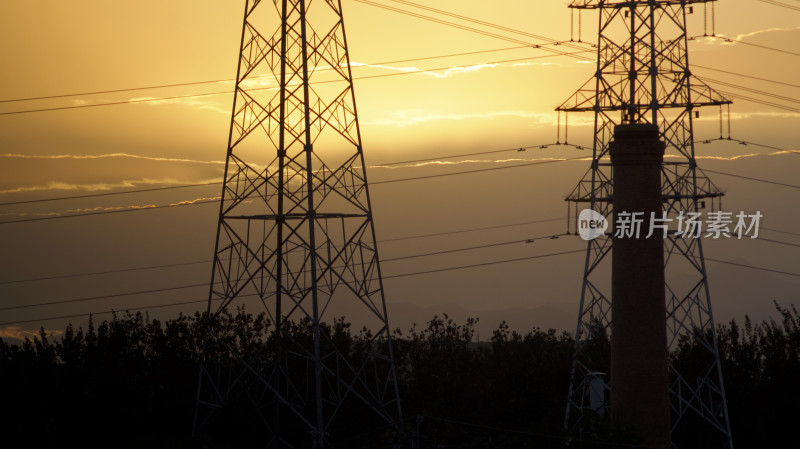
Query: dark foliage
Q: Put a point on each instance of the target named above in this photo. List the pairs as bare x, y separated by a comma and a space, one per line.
761, 369
130, 382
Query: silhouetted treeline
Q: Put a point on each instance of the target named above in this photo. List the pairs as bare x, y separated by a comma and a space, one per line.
131, 382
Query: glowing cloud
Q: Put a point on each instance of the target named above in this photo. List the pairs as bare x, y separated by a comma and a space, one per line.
108, 155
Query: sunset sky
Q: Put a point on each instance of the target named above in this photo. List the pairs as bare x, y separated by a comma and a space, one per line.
494, 94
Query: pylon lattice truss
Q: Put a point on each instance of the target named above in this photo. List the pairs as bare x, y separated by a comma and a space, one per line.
295, 239
643, 76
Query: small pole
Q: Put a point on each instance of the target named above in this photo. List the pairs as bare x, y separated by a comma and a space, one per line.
415, 436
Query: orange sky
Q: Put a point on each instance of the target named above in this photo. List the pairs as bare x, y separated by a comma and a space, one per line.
54, 47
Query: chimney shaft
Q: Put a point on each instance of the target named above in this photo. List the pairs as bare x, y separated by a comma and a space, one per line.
639, 378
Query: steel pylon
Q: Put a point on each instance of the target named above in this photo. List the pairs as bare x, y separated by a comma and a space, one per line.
643, 76
295, 240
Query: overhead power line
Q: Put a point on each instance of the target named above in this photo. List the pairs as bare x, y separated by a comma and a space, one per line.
770, 270
749, 178
108, 312
782, 5
479, 170
475, 30
752, 90
395, 239
109, 296
97, 273
388, 164
549, 41
480, 153
389, 181
229, 92
779, 231
113, 91
756, 92
114, 103
230, 80
418, 273
107, 212
484, 264
205, 284
745, 76
735, 41
571, 44
460, 231
96, 195
374, 183
207, 261
747, 142
778, 242
759, 101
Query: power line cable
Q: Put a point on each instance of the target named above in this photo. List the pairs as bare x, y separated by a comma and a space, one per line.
746, 142
411, 237
420, 236
113, 91
759, 101
727, 262
778, 242
470, 248
415, 178
549, 40
191, 83
438, 234
109, 296
756, 92
178, 97
483, 264
766, 181
96, 195
518, 149
482, 22
114, 103
205, 284
480, 170
439, 270
497, 262
782, 5
474, 30
389, 164
390, 277
736, 41
752, 90
207, 261
569, 44
779, 231
98, 273
107, 212
194, 83
746, 76
80, 315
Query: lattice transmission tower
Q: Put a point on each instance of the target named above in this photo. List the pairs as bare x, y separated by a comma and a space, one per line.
295, 240
643, 76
